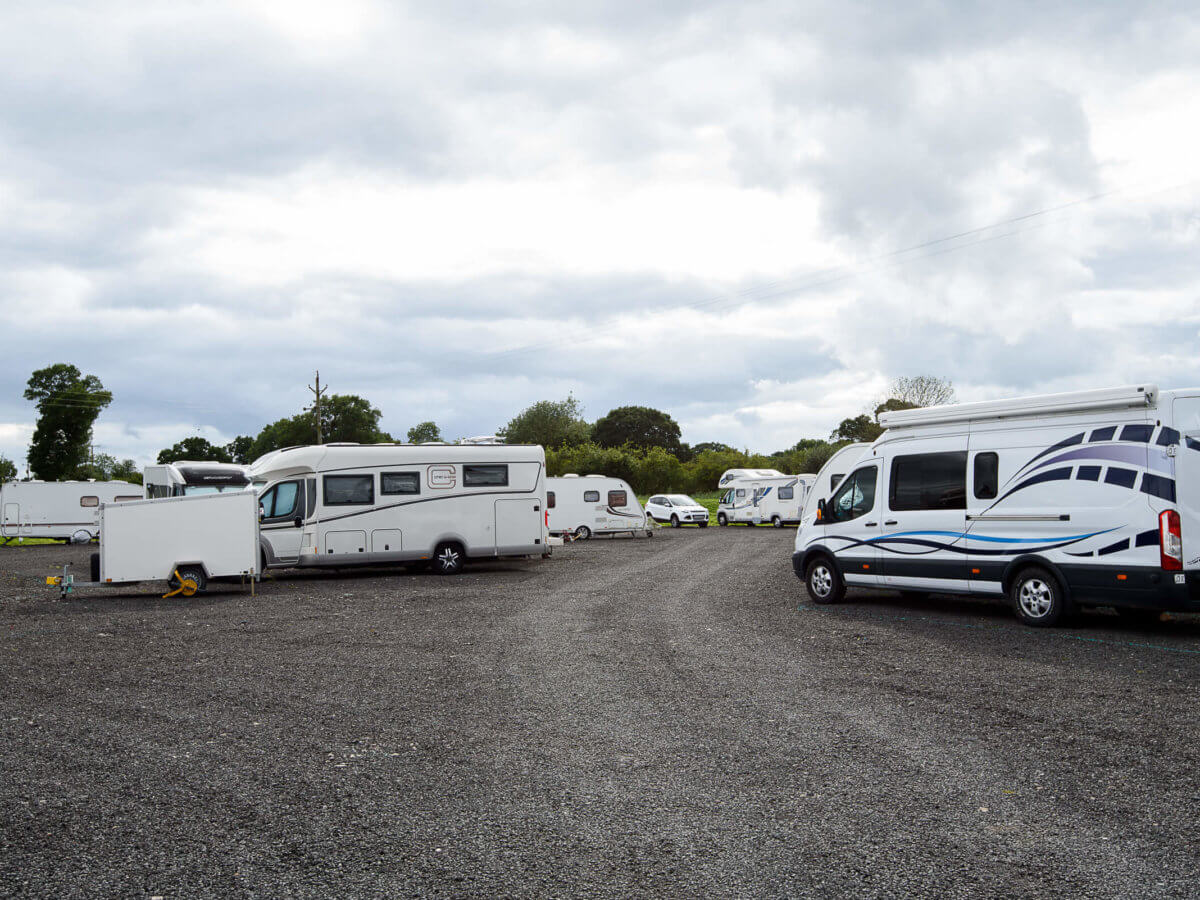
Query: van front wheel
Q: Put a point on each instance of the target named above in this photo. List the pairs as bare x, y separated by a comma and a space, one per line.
721, 520
448, 559
1038, 599
823, 581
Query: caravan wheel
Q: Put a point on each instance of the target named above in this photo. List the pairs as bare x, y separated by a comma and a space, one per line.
448, 559
582, 533
776, 521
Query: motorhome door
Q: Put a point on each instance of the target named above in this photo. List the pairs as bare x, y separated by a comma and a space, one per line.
10, 526
282, 506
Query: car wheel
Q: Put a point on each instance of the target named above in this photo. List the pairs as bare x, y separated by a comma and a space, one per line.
721, 520
823, 581
1038, 598
776, 521
674, 521
448, 558
582, 533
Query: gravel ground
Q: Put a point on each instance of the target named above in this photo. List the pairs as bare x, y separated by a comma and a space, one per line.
666, 716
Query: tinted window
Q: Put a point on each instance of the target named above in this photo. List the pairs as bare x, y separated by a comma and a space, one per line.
835, 480
591, 496
987, 476
310, 491
400, 483
617, 498
549, 499
786, 493
929, 481
485, 476
348, 490
855, 497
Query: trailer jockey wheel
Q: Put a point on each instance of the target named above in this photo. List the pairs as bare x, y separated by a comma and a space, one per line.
186, 580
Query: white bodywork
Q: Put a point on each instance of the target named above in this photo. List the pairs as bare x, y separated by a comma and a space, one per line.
60, 510
678, 509
961, 498
347, 504
778, 499
188, 478
597, 503
835, 469
148, 540
730, 474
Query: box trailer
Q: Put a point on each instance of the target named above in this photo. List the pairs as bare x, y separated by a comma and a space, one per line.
179, 540
58, 510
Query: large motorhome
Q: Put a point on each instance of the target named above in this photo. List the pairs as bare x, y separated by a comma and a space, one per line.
831, 476
58, 510
594, 504
337, 505
1090, 497
186, 478
754, 499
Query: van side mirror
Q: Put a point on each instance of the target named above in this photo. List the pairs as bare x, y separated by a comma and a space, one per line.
261, 512
298, 522
821, 510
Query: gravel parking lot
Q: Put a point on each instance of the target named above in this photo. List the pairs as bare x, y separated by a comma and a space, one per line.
666, 716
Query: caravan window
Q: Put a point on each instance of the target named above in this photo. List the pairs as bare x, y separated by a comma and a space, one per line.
549, 499
617, 498
349, 490
89, 501
786, 493
591, 496
987, 475
741, 492
929, 481
126, 498
400, 483
485, 476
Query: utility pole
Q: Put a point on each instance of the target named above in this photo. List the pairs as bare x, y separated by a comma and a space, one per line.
316, 407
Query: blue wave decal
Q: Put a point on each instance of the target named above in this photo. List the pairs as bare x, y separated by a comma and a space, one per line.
885, 542
983, 537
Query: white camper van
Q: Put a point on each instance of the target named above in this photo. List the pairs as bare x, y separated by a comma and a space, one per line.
1082, 498
186, 478
830, 476
344, 504
752, 499
58, 510
594, 504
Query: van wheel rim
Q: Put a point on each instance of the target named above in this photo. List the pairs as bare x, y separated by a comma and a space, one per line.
1035, 598
821, 581
448, 558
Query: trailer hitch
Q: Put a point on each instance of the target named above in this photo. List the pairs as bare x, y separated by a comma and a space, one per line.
64, 582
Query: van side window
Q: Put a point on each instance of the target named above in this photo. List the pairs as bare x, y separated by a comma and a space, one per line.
855, 497
89, 501
485, 476
310, 497
400, 483
786, 493
591, 496
349, 490
741, 492
126, 498
929, 481
280, 501
617, 498
549, 499
836, 479
987, 476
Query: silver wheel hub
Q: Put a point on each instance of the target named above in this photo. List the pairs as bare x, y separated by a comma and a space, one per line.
448, 558
1035, 597
821, 581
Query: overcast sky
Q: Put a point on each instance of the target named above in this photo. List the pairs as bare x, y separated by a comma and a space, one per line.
743, 213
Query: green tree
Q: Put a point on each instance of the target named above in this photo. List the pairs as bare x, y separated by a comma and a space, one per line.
239, 449
68, 404
893, 404
195, 448
345, 418
424, 431
104, 467
551, 423
860, 428
8, 470
714, 446
640, 426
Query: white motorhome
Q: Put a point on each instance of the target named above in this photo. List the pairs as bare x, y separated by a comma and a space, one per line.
831, 475
753, 499
338, 505
58, 510
730, 474
1090, 497
185, 541
594, 504
186, 478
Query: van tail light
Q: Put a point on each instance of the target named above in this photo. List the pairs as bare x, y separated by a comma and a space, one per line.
1170, 540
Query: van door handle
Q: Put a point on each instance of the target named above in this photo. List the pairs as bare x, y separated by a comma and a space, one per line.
870, 524
891, 522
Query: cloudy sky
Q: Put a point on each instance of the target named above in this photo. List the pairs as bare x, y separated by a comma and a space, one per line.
751, 214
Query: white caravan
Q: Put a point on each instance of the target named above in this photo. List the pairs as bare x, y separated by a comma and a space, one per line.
185, 541
594, 504
831, 475
1090, 497
752, 499
58, 510
344, 504
187, 478
730, 474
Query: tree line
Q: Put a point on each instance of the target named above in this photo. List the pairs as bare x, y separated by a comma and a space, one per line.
638, 443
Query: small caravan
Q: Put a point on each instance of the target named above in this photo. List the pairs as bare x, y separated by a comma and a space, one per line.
831, 475
58, 510
352, 504
1090, 497
593, 504
189, 478
753, 499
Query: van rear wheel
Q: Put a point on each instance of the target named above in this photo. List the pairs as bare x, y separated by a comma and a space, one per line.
1038, 599
823, 581
448, 558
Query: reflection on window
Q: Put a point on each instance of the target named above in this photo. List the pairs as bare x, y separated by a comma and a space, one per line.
591, 496
617, 498
400, 483
348, 490
485, 476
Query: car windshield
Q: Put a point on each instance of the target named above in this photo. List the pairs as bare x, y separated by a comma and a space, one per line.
681, 500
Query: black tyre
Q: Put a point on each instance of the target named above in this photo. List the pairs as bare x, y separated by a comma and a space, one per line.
704, 524
448, 558
674, 521
583, 533
776, 521
194, 574
94, 562
824, 581
1038, 599
721, 520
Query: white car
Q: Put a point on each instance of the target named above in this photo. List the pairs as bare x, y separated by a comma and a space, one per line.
678, 509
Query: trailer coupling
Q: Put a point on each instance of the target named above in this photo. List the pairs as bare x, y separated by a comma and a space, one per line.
64, 582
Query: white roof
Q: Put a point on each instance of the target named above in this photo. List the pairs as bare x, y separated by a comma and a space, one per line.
1130, 396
